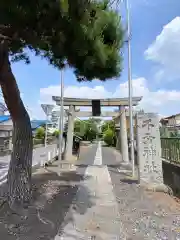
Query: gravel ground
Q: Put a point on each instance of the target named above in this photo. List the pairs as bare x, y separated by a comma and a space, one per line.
145, 215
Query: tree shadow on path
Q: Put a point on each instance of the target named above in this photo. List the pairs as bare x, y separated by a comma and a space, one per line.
129, 181
53, 197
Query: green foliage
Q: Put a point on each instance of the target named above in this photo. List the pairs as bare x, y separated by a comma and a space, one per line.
40, 133
108, 131
175, 134
108, 125
166, 132
87, 129
90, 134
86, 35
56, 133
79, 128
108, 137
91, 129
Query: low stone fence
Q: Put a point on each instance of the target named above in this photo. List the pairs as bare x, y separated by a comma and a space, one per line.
171, 175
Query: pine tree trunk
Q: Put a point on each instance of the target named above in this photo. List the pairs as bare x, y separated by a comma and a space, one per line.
19, 174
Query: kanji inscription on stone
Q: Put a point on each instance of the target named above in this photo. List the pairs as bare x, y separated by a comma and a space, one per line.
149, 148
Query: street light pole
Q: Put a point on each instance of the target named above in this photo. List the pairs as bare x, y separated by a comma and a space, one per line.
61, 116
130, 88
46, 130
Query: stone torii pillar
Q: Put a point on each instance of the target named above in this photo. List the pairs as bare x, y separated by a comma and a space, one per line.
70, 133
123, 135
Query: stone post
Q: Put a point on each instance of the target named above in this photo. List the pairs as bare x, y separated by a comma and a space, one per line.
70, 133
123, 135
10, 144
149, 152
118, 143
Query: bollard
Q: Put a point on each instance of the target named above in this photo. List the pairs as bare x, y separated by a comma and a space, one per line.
42, 162
54, 153
49, 156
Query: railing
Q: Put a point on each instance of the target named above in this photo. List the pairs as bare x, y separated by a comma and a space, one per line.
5, 148
170, 149
50, 140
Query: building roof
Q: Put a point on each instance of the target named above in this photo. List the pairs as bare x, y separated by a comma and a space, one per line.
165, 119
172, 116
34, 123
4, 118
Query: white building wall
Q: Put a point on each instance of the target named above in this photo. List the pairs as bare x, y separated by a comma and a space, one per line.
177, 119
9, 123
5, 134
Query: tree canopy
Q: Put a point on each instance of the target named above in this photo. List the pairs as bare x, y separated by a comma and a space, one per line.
79, 128
40, 133
108, 125
87, 129
109, 137
85, 35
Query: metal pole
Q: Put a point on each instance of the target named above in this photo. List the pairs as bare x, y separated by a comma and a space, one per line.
45, 140
130, 90
61, 116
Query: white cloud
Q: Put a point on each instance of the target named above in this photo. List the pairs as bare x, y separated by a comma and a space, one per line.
165, 50
73, 91
70, 91
162, 101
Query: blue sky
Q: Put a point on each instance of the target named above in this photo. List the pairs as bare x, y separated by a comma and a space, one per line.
155, 70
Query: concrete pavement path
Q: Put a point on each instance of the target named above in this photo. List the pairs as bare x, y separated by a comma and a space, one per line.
87, 155
119, 209
101, 221
109, 158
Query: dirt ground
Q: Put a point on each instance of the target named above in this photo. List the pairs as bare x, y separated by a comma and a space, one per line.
52, 197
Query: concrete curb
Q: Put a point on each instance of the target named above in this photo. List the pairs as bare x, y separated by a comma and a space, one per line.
158, 188
151, 187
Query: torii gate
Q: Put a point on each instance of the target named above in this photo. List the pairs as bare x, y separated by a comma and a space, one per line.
72, 103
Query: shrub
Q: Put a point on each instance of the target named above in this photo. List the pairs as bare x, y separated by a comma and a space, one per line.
56, 133
40, 133
108, 137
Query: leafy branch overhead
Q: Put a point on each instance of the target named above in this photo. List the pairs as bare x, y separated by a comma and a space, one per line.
87, 35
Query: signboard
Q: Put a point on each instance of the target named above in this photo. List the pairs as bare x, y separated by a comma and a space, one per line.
149, 148
96, 108
47, 108
3, 108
